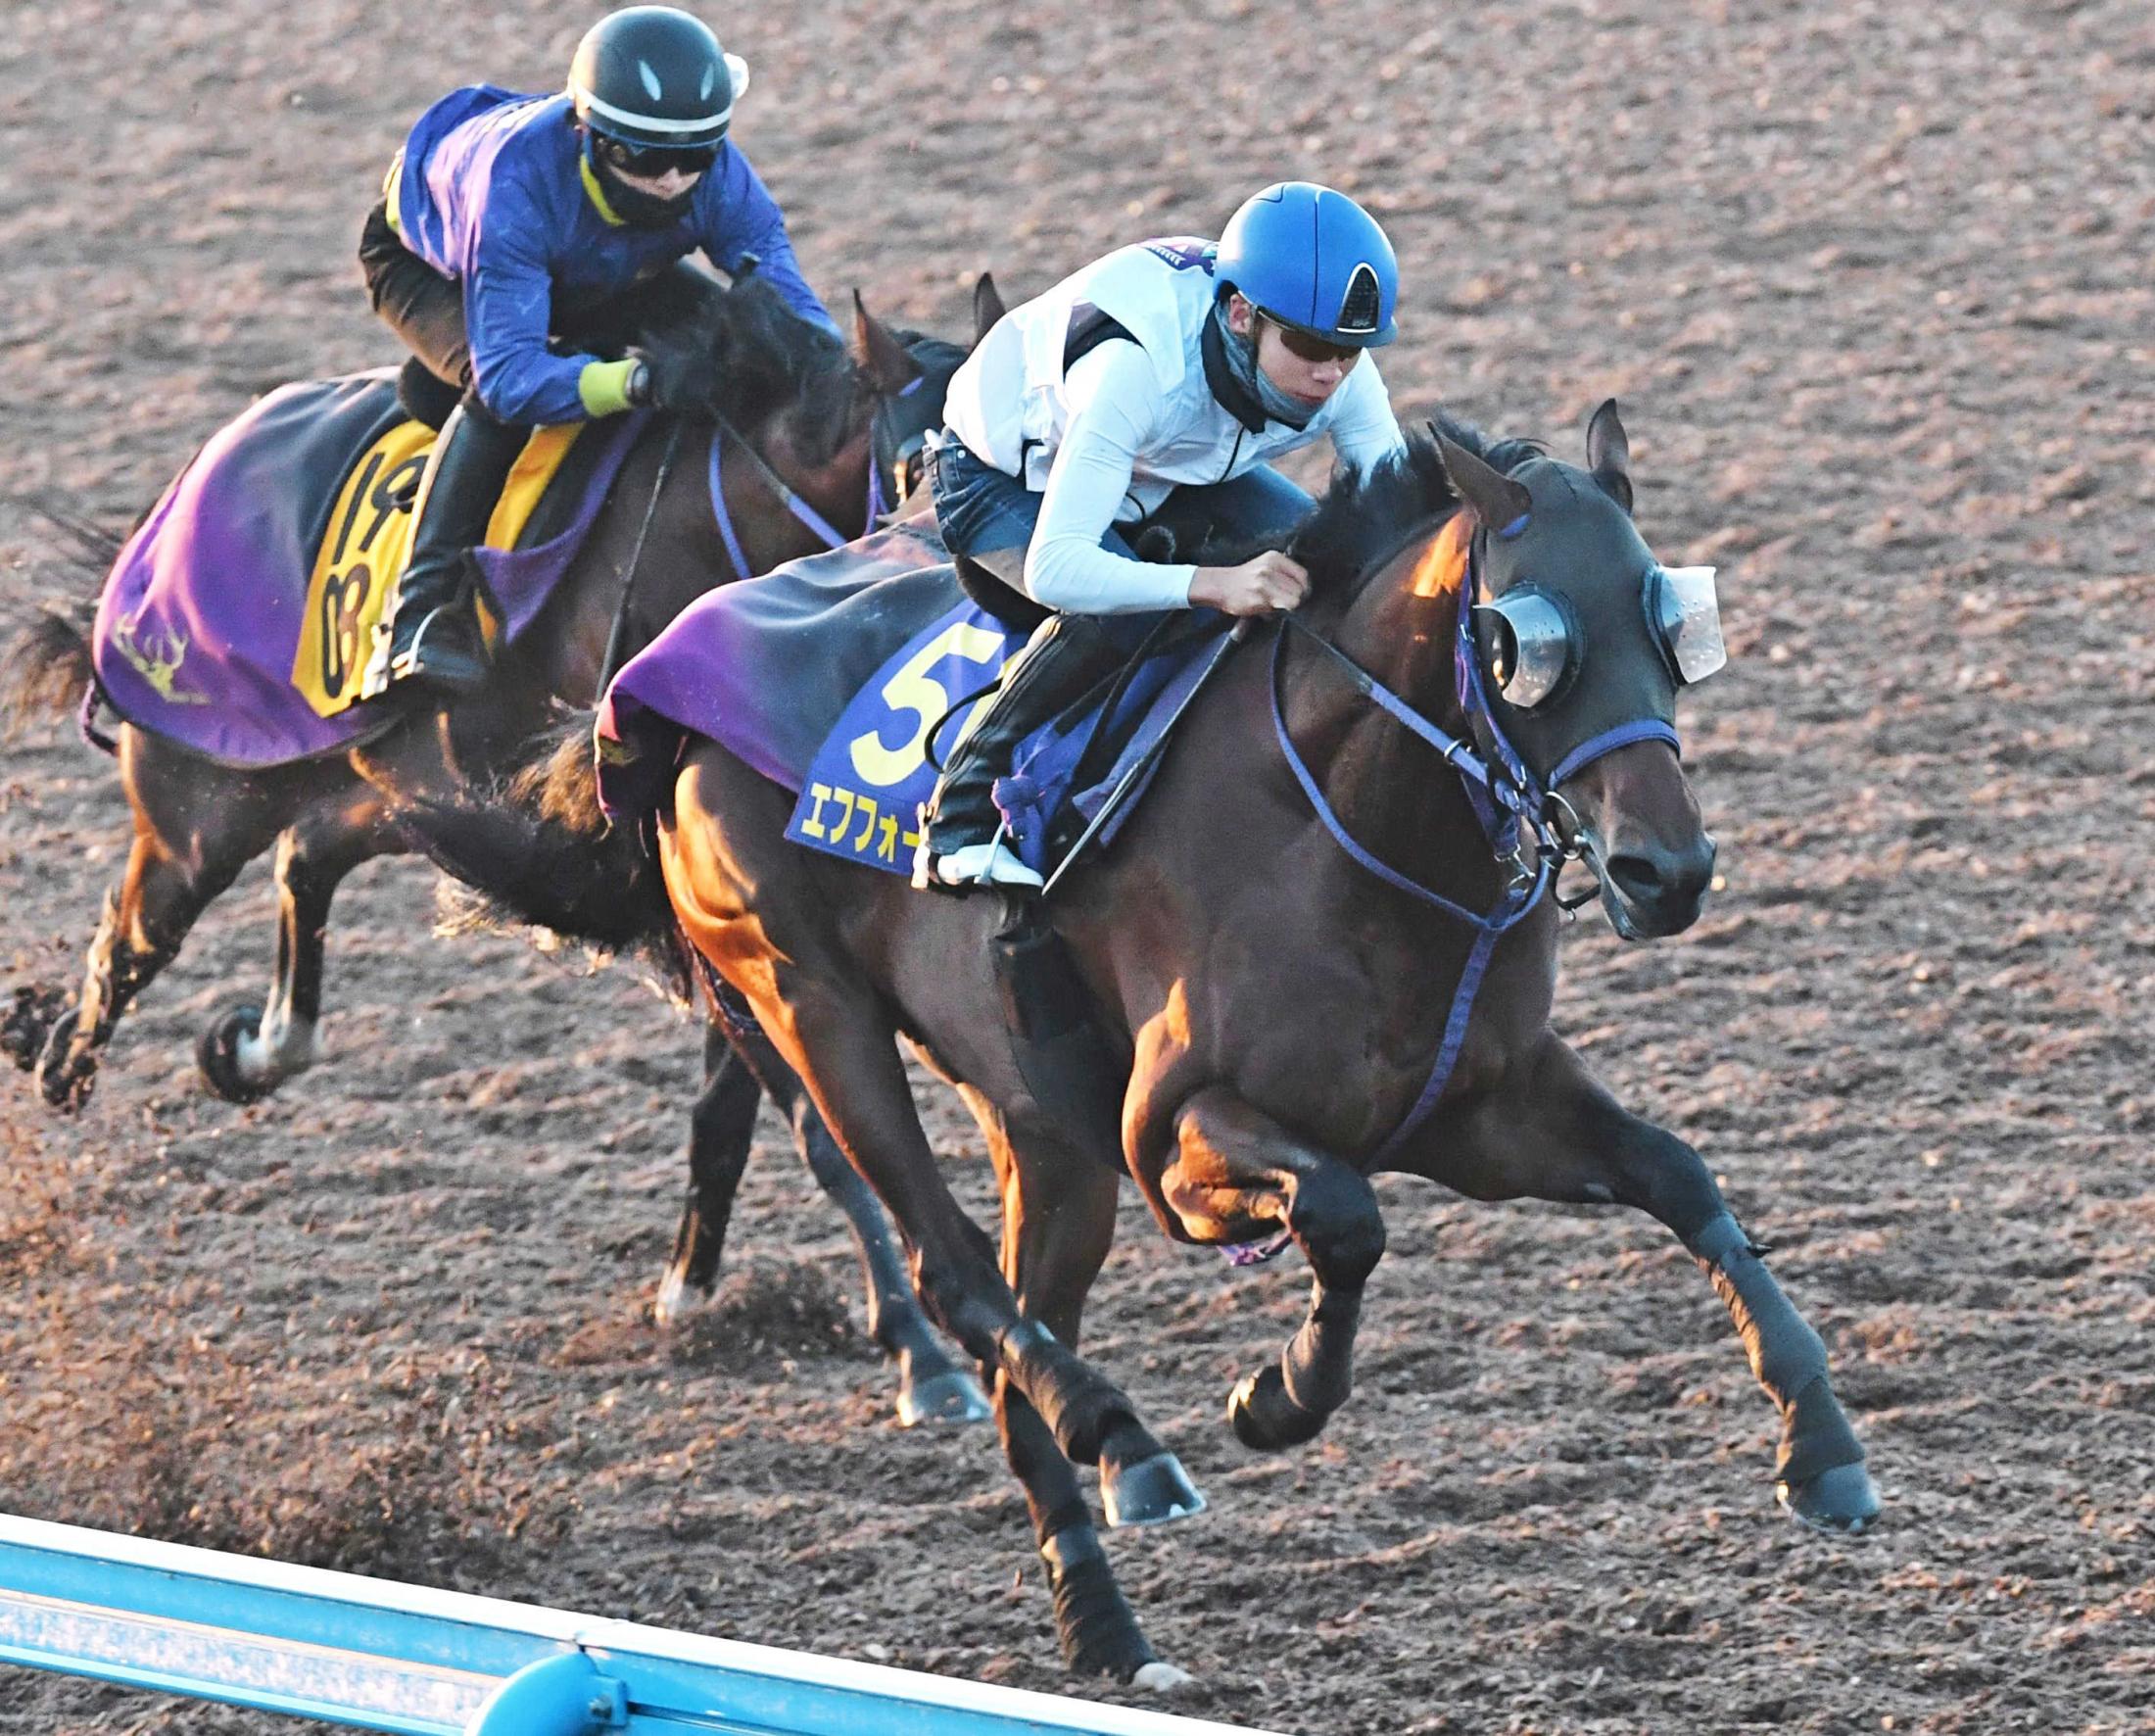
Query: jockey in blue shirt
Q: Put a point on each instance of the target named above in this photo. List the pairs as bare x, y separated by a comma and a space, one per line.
510, 228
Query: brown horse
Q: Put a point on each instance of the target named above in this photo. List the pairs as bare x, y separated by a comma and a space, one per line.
1358, 824
818, 424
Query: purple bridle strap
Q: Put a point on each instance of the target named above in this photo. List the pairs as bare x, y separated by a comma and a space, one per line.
1509, 909
726, 531
1460, 756
1642, 729
818, 526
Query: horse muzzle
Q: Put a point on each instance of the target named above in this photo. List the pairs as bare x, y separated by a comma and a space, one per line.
1651, 891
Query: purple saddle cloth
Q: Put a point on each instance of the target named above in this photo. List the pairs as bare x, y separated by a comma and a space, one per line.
844, 678
201, 627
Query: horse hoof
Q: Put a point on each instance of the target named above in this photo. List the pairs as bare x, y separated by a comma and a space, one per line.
217, 1058
23, 1031
1150, 1493
66, 1079
1264, 1419
950, 1399
673, 1300
1163, 1678
1842, 1501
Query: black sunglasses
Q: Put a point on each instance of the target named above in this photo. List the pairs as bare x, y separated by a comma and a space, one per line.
1312, 349
649, 161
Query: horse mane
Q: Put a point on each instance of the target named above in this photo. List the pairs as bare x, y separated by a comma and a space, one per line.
1363, 518
771, 353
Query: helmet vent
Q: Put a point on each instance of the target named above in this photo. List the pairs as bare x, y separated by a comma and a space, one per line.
650, 80
1361, 308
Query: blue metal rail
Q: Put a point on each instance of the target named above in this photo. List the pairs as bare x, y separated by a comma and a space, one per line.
381, 1656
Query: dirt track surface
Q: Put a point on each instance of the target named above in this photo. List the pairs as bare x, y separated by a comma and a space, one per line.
1872, 281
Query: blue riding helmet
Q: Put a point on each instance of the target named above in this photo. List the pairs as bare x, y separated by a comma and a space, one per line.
1312, 259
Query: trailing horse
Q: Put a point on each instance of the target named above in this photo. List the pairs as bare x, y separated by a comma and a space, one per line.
812, 441
1481, 687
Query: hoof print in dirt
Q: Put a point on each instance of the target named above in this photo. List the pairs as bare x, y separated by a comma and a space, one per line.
23, 1031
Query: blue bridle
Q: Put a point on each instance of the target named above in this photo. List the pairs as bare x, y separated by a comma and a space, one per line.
1518, 813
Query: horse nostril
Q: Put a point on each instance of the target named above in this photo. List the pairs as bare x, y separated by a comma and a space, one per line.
1664, 876
1637, 878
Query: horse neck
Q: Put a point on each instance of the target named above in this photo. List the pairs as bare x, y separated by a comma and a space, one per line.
1394, 793
684, 553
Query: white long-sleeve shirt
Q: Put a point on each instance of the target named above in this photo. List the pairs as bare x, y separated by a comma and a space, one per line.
1117, 412
1108, 440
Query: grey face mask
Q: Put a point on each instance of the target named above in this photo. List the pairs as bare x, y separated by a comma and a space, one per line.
1240, 356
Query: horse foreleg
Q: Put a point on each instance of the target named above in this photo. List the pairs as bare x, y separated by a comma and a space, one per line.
1058, 1224
1555, 1134
249, 1051
1233, 1170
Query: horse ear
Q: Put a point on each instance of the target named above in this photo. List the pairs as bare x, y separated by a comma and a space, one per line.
1491, 496
988, 305
877, 350
1608, 454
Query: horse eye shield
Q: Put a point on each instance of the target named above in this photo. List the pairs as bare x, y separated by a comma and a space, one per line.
1535, 645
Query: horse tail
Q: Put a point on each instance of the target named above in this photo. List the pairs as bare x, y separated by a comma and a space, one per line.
542, 851
45, 668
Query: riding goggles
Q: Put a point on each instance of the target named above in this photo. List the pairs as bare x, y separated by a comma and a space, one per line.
648, 162
1535, 647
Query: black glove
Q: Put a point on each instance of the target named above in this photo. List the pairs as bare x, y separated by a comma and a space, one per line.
674, 376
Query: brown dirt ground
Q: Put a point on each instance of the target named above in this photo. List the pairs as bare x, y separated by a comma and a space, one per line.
1872, 279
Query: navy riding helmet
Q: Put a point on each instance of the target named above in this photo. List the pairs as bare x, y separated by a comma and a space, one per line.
653, 91
1310, 259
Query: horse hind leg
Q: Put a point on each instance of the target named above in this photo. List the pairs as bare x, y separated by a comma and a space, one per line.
250, 1050
146, 920
840, 1039
1058, 1225
932, 1386
721, 1126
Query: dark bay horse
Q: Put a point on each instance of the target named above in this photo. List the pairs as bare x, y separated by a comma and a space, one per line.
1355, 826
820, 426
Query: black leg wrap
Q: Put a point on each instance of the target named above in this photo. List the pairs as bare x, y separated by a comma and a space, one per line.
1098, 1629
1785, 1355
1079, 1407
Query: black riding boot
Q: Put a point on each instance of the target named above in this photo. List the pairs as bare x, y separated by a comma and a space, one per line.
434, 635
959, 844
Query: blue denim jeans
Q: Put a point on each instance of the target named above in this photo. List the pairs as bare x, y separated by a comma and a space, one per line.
983, 510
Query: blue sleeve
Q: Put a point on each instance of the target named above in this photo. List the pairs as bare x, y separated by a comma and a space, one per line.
508, 307
739, 216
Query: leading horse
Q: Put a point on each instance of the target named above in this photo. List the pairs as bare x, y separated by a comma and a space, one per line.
1328, 945
816, 436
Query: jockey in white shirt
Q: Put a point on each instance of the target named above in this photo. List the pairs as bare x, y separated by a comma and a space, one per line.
1148, 391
